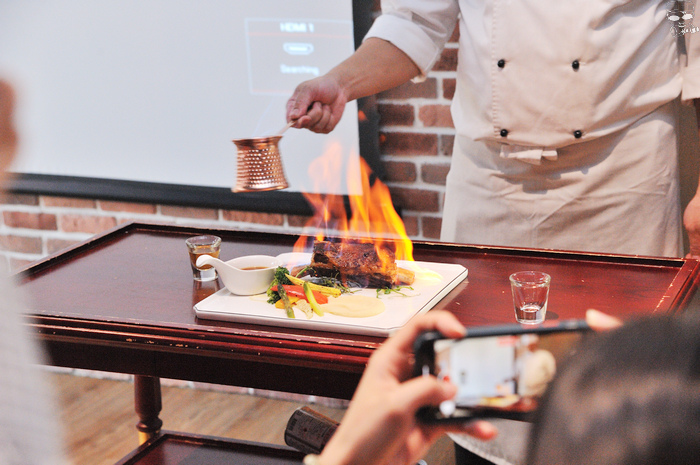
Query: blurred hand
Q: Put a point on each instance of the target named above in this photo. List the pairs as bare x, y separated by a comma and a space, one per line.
599, 321
8, 137
317, 104
380, 425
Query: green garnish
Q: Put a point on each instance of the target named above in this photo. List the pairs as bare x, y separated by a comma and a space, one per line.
285, 299
312, 300
397, 289
279, 278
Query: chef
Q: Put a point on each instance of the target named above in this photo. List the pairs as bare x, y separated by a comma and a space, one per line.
565, 116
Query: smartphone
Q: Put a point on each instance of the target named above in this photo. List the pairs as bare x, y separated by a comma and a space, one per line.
499, 371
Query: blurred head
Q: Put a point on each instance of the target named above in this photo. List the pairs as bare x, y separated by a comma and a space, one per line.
8, 137
630, 396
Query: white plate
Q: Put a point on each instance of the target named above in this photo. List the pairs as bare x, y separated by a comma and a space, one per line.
433, 282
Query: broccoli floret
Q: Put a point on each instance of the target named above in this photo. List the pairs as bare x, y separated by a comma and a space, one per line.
280, 278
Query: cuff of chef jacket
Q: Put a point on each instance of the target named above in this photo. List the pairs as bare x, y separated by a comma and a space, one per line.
691, 72
410, 38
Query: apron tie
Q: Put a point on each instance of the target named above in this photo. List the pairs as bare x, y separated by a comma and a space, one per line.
532, 155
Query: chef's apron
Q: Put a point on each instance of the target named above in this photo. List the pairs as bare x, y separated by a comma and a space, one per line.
615, 194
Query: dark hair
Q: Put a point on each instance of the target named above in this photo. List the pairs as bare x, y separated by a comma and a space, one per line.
630, 396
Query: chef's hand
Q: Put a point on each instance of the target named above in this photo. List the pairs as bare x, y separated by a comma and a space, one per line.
317, 104
380, 425
691, 221
377, 65
691, 217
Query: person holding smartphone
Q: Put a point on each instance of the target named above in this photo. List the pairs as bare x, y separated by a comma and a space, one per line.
381, 426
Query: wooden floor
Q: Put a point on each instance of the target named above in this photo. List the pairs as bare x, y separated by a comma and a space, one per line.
99, 420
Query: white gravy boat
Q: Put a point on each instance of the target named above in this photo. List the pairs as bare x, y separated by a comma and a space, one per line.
247, 275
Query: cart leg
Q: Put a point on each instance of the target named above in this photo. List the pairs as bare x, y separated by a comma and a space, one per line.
147, 400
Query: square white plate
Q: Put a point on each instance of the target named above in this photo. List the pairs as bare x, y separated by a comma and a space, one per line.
433, 282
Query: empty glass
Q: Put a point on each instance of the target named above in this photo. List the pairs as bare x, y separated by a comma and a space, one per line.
530, 295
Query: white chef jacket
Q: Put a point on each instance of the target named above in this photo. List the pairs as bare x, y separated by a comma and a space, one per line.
543, 70
538, 79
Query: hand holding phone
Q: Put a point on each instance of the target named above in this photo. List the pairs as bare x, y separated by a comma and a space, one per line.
499, 371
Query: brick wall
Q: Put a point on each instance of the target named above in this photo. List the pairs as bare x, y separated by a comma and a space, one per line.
415, 135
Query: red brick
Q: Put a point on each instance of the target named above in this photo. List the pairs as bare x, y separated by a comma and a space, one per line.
68, 202
425, 89
190, 212
447, 143
128, 207
436, 116
298, 221
86, 223
447, 60
54, 245
448, 88
434, 174
408, 143
271, 219
124, 220
455, 35
44, 221
419, 200
19, 199
399, 171
431, 227
411, 225
396, 115
21, 244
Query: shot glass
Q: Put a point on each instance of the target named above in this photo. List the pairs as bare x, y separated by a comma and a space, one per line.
203, 245
530, 294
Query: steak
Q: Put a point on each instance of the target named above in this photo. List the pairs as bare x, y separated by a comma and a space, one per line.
357, 262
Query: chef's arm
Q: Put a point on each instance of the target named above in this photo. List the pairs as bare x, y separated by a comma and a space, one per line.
377, 65
691, 217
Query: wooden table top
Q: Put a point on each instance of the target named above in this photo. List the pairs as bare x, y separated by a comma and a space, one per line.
122, 301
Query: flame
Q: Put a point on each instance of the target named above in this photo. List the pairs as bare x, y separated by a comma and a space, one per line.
372, 215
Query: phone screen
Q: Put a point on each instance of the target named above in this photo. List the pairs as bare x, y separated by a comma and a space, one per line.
501, 375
